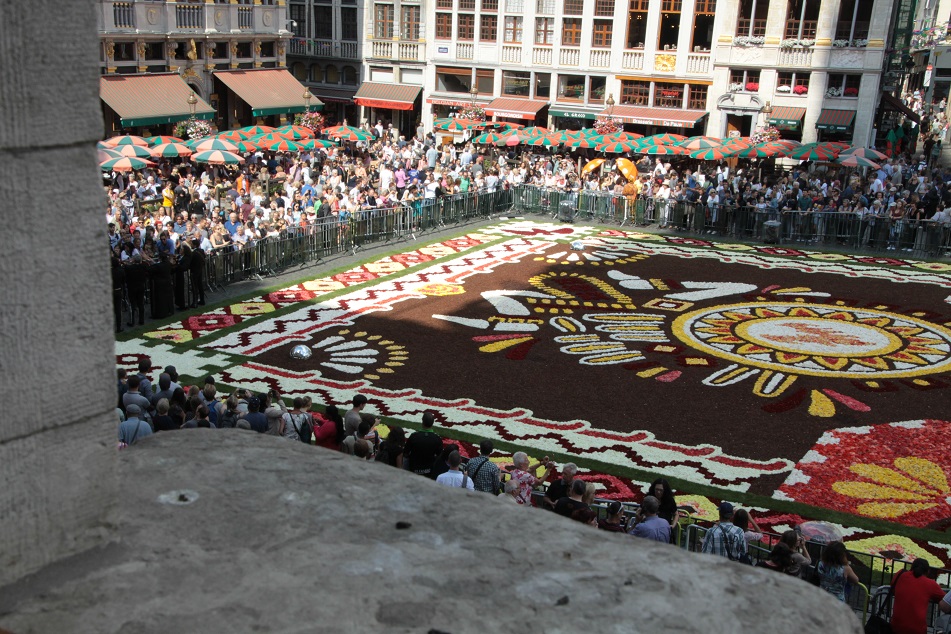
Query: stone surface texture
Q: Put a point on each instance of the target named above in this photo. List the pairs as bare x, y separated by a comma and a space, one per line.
275, 536
57, 463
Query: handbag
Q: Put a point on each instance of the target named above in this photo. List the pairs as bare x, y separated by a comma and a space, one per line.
877, 623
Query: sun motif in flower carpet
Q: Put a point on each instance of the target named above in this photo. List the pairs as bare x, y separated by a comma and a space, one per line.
348, 354
896, 471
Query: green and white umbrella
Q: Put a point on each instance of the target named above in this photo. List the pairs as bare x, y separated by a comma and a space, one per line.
217, 157
125, 164
171, 150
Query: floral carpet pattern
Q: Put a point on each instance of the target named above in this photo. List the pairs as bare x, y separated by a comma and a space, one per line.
814, 377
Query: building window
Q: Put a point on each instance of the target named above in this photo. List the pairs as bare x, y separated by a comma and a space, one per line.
704, 13
544, 30
668, 95
574, 7
844, 85
513, 29
636, 93
444, 4
596, 91
488, 28
410, 27
604, 8
453, 79
485, 81
697, 97
571, 32
601, 36
383, 28
542, 85
637, 24
349, 75
802, 19
331, 75
467, 5
515, 83
125, 52
854, 18
298, 14
466, 27
669, 31
545, 6
324, 22
443, 26
796, 83
267, 49
348, 24
514, 6
751, 21
744, 80
317, 73
490, 5
571, 87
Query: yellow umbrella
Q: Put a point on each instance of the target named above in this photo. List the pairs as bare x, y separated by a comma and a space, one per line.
627, 168
592, 165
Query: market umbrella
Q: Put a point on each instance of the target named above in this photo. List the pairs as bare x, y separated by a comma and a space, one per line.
133, 150
621, 136
505, 125
665, 150
763, 150
710, 154
854, 160
217, 157
488, 137
455, 124
864, 152
171, 150
193, 143
787, 143
211, 144
740, 143
263, 140
159, 140
617, 147
245, 146
811, 152
125, 139
104, 154
310, 144
664, 139
626, 167
256, 130
125, 164
700, 143
295, 132
233, 135
583, 142
831, 147
545, 140
592, 165
533, 131
510, 140
284, 145
348, 133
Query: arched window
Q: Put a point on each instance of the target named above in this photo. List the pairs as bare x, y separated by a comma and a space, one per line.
349, 75
317, 73
299, 71
331, 75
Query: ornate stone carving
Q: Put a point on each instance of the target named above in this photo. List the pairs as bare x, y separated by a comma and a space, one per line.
219, 17
257, 49
151, 16
750, 55
110, 50
140, 49
846, 58
268, 18
280, 47
665, 62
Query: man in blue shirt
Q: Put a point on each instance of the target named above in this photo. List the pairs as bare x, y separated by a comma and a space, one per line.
648, 524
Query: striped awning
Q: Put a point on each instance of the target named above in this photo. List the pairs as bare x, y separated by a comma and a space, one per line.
514, 108
143, 100
835, 120
893, 103
374, 94
333, 95
663, 117
787, 117
267, 90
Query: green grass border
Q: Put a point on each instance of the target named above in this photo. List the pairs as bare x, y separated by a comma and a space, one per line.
633, 473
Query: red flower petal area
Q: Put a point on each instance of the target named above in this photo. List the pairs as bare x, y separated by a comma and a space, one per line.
868, 463
289, 296
210, 322
412, 258
356, 276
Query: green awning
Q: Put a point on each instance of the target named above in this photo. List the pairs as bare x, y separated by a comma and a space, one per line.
835, 120
557, 111
786, 117
144, 100
147, 121
268, 90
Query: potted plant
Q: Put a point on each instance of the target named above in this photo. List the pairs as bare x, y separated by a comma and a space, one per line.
752, 86
607, 125
313, 121
800, 89
851, 92
784, 89
473, 113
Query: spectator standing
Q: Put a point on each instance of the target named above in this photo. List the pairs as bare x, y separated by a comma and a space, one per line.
423, 447
648, 524
566, 506
614, 522
525, 475
133, 428
485, 474
560, 487
914, 592
834, 570
455, 477
351, 420
725, 539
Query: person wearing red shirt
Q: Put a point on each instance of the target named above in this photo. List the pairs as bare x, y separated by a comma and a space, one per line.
913, 594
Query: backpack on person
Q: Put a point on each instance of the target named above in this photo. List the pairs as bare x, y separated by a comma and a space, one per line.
228, 418
303, 427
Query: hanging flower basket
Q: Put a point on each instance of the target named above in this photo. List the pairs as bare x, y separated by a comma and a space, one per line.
752, 86
473, 113
851, 92
193, 129
608, 125
800, 90
765, 134
313, 121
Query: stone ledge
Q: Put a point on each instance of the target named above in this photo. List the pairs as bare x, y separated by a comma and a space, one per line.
284, 537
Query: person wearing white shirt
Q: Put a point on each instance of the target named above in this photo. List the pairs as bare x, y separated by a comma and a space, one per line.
455, 478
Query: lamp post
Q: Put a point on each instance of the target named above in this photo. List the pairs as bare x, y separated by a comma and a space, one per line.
767, 110
307, 97
192, 104
610, 103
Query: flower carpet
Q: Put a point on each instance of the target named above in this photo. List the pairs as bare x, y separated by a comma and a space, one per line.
810, 377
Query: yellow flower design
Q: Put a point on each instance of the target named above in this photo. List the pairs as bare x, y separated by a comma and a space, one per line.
916, 484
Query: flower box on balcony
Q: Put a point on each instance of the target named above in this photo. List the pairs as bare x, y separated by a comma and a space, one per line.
800, 90
752, 86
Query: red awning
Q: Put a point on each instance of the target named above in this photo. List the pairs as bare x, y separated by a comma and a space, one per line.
664, 117
387, 96
514, 108
448, 101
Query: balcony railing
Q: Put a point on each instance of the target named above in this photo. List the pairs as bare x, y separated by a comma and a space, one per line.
600, 58
464, 50
632, 60
123, 15
190, 16
541, 56
512, 54
245, 18
409, 51
801, 57
348, 50
698, 63
381, 49
569, 56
